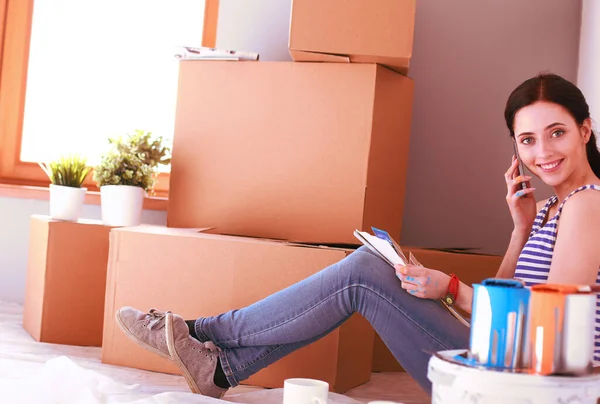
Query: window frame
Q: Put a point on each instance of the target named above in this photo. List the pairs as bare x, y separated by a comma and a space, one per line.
15, 35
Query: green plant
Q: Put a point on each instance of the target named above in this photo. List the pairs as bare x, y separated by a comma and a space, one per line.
150, 150
68, 171
132, 160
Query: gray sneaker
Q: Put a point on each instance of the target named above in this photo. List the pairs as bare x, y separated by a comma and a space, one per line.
166, 334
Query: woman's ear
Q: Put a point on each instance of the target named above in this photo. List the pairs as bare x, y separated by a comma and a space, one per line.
586, 130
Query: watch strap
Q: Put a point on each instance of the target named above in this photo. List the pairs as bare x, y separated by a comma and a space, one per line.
452, 292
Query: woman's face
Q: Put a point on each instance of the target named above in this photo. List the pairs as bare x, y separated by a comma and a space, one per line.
550, 143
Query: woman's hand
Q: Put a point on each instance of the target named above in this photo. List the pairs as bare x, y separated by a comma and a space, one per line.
522, 209
423, 282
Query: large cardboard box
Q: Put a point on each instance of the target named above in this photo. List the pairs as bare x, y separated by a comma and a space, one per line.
469, 267
362, 31
176, 270
305, 152
65, 284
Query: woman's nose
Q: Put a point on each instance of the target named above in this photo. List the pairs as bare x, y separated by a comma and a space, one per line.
545, 150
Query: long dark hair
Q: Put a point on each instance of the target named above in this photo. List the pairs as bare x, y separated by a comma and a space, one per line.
552, 88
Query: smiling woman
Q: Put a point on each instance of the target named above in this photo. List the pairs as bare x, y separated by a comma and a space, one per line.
550, 121
74, 73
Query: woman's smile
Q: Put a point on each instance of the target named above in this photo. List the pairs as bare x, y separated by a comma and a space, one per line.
551, 166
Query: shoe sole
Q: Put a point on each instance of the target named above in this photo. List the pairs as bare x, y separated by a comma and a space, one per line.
175, 357
138, 341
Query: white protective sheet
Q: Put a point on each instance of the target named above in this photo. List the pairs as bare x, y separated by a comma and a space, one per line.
60, 380
39, 373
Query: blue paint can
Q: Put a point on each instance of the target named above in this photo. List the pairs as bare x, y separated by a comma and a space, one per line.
498, 323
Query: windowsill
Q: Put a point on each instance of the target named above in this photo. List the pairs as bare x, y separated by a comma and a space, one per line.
91, 197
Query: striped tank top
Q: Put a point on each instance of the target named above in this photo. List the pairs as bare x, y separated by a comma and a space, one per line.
533, 265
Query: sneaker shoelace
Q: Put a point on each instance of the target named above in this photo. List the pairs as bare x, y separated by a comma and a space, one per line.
156, 321
210, 347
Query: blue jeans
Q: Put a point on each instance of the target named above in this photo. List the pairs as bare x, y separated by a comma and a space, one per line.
412, 328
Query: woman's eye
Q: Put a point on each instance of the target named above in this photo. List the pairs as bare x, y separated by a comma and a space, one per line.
558, 133
527, 140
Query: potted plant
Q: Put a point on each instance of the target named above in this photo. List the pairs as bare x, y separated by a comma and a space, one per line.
126, 173
67, 195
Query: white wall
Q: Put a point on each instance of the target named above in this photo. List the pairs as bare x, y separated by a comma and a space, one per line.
468, 56
260, 26
588, 77
14, 238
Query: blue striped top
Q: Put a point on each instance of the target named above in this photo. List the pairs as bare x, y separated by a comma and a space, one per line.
533, 265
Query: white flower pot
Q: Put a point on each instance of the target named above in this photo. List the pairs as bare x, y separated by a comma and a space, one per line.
121, 205
66, 202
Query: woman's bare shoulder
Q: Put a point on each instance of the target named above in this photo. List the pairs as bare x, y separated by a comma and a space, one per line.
582, 206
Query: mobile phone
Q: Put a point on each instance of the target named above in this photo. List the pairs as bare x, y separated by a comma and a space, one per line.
520, 168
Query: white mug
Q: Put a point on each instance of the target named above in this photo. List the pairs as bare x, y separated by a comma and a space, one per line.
305, 391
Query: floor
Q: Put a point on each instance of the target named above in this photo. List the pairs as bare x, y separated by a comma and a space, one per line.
33, 372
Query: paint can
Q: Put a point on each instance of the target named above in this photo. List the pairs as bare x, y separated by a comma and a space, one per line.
560, 331
498, 323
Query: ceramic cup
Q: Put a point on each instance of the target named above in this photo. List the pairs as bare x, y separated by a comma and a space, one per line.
305, 391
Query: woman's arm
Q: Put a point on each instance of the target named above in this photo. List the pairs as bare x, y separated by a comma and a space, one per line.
576, 255
465, 297
508, 266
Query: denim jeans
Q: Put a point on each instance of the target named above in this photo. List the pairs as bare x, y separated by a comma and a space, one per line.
253, 337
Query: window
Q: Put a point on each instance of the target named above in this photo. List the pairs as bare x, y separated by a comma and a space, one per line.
76, 72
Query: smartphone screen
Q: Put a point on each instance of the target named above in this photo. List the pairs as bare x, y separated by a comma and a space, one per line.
521, 168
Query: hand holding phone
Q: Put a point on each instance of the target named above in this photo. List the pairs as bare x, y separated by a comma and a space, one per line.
522, 206
520, 169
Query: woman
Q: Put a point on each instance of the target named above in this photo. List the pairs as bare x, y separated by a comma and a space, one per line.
549, 120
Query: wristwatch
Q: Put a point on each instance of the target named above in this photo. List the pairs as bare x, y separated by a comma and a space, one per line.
452, 292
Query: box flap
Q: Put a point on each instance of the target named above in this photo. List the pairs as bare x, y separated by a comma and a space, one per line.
308, 56
212, 233
337, 247
158, 229
396, 64
348, 247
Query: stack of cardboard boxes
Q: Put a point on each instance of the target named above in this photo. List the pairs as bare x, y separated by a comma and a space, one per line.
271, 152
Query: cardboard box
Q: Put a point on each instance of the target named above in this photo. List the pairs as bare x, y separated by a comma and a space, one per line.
306, 152
66, 278
470, 268
174, 269
362, 31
